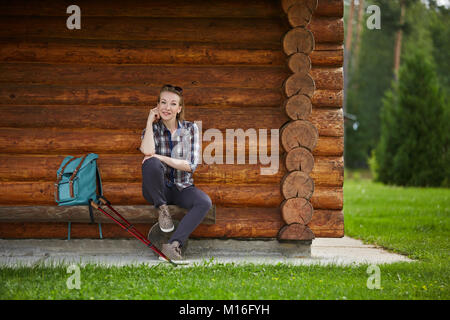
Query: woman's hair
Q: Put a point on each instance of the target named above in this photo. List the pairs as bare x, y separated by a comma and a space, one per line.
169, 88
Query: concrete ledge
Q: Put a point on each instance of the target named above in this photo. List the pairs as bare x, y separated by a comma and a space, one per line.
247, 247
119, 252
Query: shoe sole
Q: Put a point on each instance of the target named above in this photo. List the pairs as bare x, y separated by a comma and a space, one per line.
167, 230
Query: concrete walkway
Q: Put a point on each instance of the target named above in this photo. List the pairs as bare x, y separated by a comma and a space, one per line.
118, 252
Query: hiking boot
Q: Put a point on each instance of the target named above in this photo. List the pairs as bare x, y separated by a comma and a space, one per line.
171, 251
165, 219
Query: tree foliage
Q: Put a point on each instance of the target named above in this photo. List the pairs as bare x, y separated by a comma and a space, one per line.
413, 147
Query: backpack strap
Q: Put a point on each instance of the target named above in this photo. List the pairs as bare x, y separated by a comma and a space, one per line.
59, 177
74, 174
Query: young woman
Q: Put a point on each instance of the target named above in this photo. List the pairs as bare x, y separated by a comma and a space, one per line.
172, 151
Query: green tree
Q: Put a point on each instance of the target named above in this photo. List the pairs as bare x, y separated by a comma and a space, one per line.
413, 147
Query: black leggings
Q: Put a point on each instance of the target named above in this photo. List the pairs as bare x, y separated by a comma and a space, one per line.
155, 191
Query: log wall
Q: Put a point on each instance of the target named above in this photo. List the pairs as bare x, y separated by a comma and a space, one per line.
70, 92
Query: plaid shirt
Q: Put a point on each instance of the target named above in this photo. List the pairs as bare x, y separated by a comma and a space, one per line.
185, 145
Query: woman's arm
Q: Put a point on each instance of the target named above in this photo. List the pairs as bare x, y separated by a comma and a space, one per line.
148, 143
179, 164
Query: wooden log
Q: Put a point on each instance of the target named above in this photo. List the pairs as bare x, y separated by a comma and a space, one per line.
310, 4
297, 184
225, 29
327, 146
298, 133
135, 52
138, 52
330, 78
299, 63
329, 121
153, 75
324, 221
295, 231
18, 94
299, 159
327, 58
143, 8
327, 171
330, 8
230, 223
130, 193
296, 210
328, 46
298, 107
298, 40
299, 13
266, 29
327, 29
299, 83
144, 75
327, 98
65, 141
134, 214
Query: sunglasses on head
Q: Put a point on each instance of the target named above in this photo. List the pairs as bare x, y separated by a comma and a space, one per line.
178, 89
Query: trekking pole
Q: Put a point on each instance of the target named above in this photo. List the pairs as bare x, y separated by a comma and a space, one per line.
130, 228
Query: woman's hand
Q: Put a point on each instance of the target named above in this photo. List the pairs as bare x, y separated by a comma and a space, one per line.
154, 115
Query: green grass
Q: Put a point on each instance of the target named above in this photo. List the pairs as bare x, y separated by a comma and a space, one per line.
412, 221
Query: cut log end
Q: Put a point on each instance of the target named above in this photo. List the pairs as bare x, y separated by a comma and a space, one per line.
295, 231
296, 210
299, 83
297, 184
299, 63
298, 107
298, 40
299, 133
299, 15
310, 4
299, 159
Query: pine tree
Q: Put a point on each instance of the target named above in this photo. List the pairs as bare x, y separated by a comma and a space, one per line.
412, 147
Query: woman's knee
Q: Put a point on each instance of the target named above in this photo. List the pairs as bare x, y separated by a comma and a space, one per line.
152, 164
204, 202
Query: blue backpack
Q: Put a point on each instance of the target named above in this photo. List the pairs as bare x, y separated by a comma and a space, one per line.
78, 182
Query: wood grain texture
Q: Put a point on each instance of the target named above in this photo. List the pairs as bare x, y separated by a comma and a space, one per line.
299, 133
327, 120
154, 52
298, 107
298, 40
297, 184
134, 214
299, 62
300, 12
295, 231
144, 8
296, 210
301, 159
299, 83
67, 141
328, 171
120, 193
22, 94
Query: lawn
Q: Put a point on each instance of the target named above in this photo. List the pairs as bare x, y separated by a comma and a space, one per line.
411, 221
